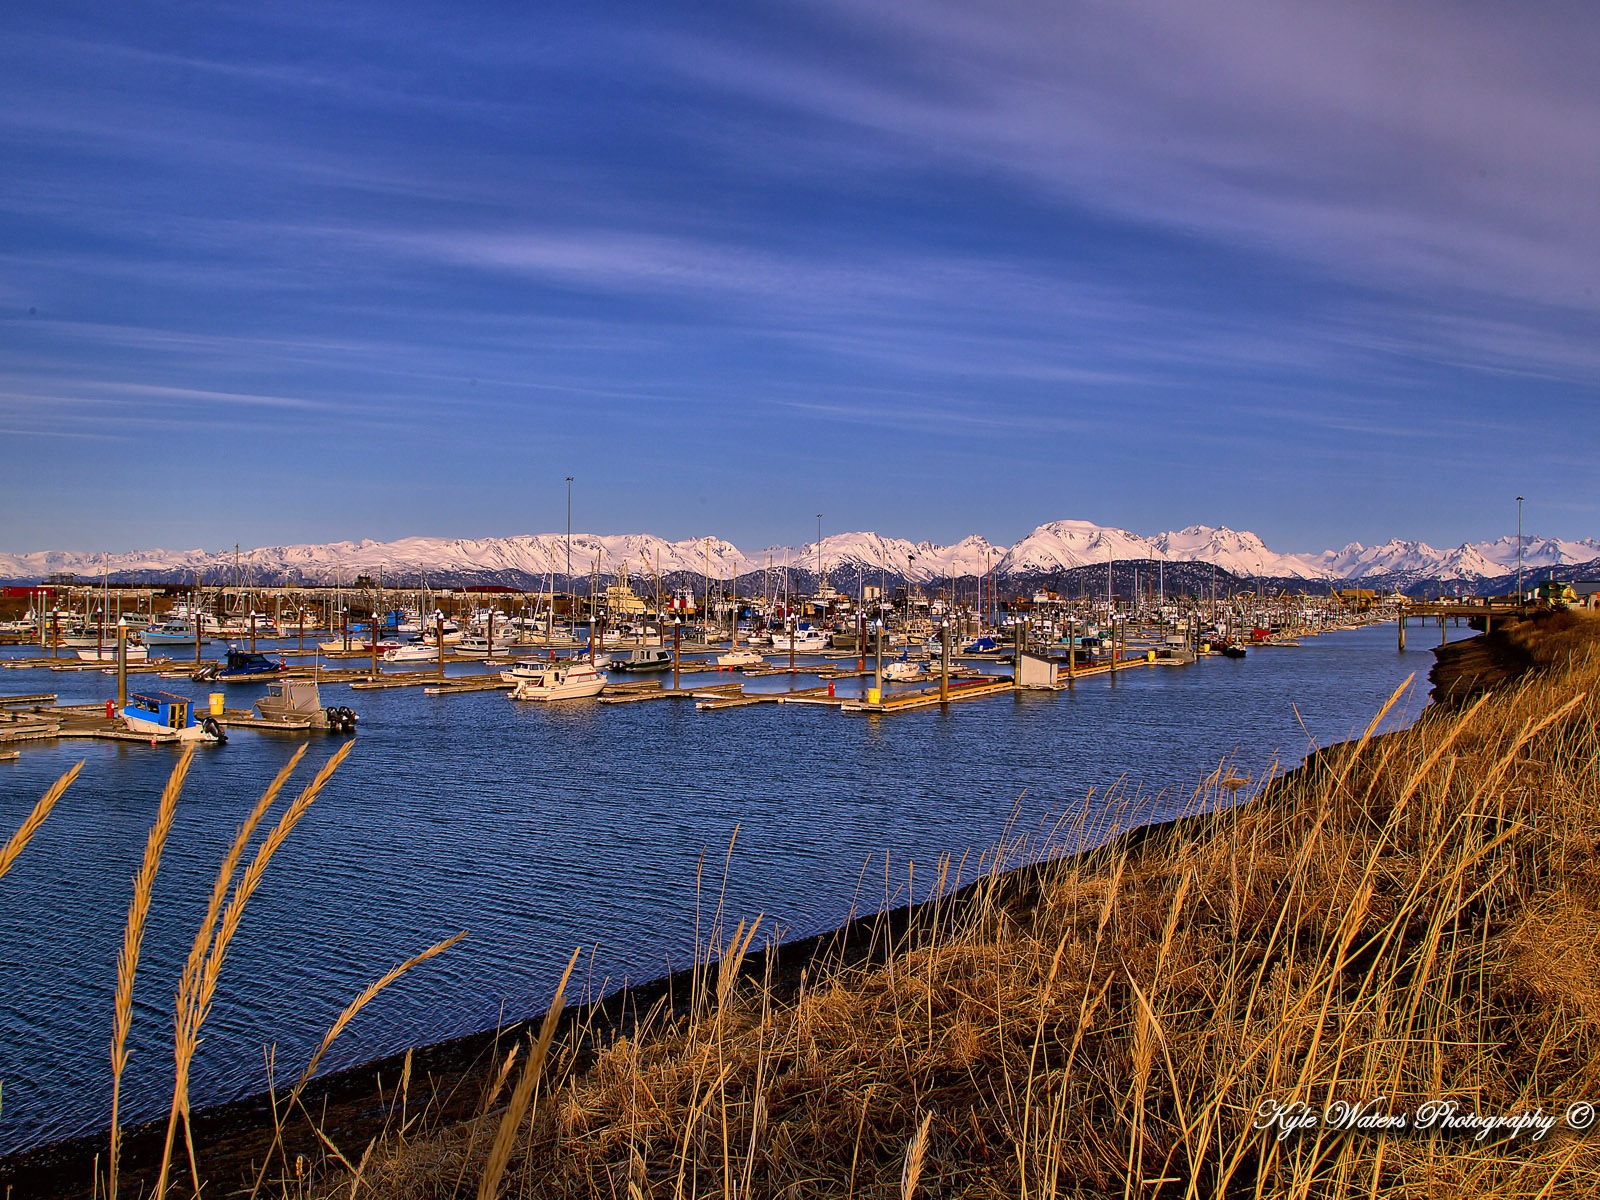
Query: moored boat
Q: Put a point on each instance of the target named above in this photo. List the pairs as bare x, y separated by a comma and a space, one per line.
902, 670
564, 679
473, 646
108, 654
642, 659
174, 633
356, 646
741, 656
169, 717
297, 700
244, 666
803, 641
416, 652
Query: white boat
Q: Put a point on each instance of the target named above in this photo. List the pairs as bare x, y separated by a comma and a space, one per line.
805, 641
742, 657
902, 671
108, 654
416, 652
564, 679
173, 633
473, 646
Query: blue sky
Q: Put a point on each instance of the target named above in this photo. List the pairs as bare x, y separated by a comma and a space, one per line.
283, 273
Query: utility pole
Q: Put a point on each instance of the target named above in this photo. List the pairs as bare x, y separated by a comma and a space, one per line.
570, 619
819, 554
1519, 549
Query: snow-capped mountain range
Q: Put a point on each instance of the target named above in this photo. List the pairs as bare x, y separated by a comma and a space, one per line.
1052, 548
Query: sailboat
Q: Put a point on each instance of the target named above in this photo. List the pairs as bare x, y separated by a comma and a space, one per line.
737, 656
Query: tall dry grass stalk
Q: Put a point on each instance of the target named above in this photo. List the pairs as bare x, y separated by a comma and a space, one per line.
522, 1095
198, 984
1407, 918
30, 825
128, 959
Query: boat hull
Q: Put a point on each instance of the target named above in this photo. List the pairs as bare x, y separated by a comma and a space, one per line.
108, 654
579, 683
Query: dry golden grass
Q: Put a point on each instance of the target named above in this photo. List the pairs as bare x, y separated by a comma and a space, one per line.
1405, 919
1410, 918
230, 894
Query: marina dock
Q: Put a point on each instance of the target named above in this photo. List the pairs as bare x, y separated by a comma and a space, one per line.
37, 716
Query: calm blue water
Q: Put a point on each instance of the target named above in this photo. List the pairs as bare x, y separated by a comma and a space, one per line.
540, 828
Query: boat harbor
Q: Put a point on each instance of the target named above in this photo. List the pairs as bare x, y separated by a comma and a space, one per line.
869, 655
37, 716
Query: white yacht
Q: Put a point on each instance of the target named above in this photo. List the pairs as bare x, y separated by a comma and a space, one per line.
805, 641
415, 652
564, 679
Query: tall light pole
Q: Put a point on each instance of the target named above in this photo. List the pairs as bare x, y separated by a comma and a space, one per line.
1519, 549
824, 612
570, 615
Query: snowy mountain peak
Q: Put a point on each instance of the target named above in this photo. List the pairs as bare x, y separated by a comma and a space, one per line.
1054, 546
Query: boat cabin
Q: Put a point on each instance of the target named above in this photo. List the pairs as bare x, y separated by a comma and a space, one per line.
163, 709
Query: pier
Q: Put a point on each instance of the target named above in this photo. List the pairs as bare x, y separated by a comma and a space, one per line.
1473, 610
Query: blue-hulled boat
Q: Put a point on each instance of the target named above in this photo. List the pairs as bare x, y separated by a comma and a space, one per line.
166, 716
244, 666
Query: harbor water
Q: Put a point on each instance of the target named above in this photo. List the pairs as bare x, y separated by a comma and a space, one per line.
541, 828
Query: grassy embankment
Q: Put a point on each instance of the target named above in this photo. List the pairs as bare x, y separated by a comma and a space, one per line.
1407, 919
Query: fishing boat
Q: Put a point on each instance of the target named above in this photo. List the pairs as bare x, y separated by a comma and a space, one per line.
741, 656
902, 670
299, 700
174, 633
108, 654
170, 718
416, 652
802, 641
357, 646
244, 666
643, 659
564, 679
473, 646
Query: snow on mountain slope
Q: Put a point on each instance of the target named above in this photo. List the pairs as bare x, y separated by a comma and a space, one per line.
1062, 545
1393, 556
1053, 546
1536, 552
1241, 552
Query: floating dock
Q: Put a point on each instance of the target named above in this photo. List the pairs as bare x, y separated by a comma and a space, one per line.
37, 716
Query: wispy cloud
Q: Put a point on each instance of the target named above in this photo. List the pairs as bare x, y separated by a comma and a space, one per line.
1340, 244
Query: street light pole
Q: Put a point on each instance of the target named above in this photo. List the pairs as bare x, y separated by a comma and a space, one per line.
1519, 549
571, 619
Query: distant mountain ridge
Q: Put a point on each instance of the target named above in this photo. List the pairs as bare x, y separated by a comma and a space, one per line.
1050, 550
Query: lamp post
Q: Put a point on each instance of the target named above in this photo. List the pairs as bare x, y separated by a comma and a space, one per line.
570, 624
1519, 549
122, 663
